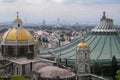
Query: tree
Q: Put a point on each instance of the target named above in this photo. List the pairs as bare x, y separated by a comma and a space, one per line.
97, 68
114, 67
62, 37
118, 75
18, 78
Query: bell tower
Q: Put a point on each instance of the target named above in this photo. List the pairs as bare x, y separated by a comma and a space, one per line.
83, 57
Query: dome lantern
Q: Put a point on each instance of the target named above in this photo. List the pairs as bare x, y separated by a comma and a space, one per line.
17, 22
104, 16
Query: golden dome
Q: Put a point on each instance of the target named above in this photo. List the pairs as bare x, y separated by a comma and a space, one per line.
19, 34
17, 20
36, 40
82, 45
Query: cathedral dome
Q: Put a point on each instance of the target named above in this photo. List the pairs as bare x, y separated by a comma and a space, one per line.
19, 34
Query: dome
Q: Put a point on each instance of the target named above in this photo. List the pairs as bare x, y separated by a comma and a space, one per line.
36, 40
19, 34
54, 72
17, 20
39, 65
103, 40
82, 45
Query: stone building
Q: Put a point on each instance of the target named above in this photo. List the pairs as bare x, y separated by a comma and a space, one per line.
18, 48
19, 53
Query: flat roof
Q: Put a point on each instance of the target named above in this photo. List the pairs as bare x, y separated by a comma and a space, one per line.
27, 61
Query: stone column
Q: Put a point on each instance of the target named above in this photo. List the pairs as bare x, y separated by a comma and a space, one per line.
23, 69
16, 51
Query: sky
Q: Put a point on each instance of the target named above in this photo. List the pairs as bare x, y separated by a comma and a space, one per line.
68, 11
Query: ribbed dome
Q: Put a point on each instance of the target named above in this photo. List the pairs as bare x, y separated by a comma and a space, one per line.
19, 34
106, 25
103, 40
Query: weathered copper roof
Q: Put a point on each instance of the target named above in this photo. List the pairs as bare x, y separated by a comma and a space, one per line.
103, 41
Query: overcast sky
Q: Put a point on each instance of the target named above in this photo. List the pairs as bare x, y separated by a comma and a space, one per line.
69, 11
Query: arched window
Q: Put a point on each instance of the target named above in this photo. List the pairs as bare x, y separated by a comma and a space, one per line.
17, 71
85, 55
18, 25
86, 69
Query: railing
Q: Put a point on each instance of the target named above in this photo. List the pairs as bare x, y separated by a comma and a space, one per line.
90, 77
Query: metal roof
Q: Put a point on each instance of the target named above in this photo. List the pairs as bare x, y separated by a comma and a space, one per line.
103, 40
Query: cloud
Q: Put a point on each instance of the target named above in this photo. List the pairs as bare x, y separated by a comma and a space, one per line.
66, 10
92, 2
7, 1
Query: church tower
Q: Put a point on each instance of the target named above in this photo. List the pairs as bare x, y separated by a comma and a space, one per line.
83, 57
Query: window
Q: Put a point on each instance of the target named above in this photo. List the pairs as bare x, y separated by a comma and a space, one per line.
18, 25
86, 69
17, 71
85, 55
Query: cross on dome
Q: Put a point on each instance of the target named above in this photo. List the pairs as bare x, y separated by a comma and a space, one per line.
82, 38
17, 14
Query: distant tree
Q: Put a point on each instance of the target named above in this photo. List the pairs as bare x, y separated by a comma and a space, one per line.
45, 40
18, 78
118, 75
97, 68
62, 37
114, 67
39, 39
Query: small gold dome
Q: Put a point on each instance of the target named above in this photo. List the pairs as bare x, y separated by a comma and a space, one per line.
82, 45
35, 40
19, 34
17, 20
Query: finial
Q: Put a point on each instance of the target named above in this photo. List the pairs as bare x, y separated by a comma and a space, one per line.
82, 38
17, 14
103, 13
103, 17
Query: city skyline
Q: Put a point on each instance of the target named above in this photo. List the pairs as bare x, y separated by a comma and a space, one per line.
68, 11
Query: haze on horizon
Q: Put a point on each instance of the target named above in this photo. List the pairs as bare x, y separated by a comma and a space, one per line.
69, 11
